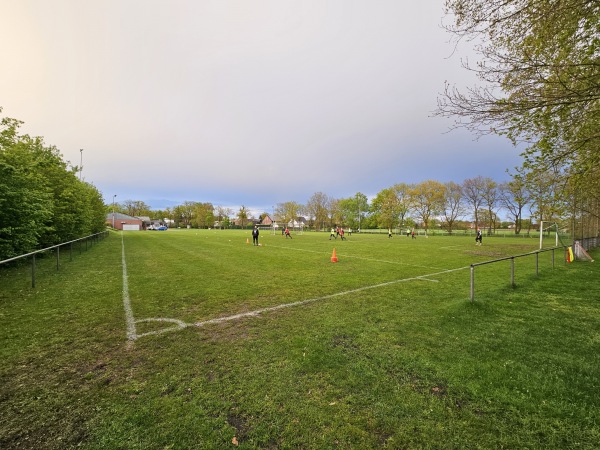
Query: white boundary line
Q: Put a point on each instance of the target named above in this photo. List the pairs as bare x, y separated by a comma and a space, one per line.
129, 318
316, 299
179, 325
131, 332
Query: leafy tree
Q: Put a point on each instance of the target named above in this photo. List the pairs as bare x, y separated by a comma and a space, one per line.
386, 207
473, 194
185, 213
453, 206
136, 208
403, 194
546, 195
223, 215
539, 64
352, 210
203, 216
243, 215
539, 71
336, 216
362, 205
490, 199
317, 209
514, 196
288, 211
427, 200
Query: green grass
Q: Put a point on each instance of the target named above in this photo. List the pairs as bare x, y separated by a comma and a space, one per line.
371, 361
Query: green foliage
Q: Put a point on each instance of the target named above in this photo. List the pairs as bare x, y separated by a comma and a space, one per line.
42, 202
540, 68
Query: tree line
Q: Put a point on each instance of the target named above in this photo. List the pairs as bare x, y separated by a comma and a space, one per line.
42, 201
474, 202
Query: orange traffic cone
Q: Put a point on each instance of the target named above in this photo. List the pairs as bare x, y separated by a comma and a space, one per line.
334, 257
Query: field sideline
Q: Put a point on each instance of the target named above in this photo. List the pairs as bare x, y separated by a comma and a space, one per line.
198, 339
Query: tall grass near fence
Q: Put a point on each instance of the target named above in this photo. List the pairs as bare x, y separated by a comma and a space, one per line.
380, 350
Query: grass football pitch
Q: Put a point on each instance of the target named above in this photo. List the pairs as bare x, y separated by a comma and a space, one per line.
199, 339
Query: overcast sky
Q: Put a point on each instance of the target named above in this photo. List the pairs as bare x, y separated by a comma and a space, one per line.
241, 102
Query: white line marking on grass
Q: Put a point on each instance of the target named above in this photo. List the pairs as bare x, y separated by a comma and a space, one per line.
131, 333
131, 328
179, 325
325, 297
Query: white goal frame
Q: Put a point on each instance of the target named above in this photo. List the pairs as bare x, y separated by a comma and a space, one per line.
542, 230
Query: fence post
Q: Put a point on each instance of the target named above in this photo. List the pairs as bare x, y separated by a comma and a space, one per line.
553, 258
33, 271
512, 271
537, 264
472, 283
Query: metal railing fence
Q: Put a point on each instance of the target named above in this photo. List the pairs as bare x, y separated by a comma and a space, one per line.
91, 239
512, 264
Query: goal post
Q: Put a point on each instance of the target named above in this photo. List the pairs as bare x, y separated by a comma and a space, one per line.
551, 226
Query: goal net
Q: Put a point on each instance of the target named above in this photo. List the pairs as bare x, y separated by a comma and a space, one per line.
580, 252
551, 229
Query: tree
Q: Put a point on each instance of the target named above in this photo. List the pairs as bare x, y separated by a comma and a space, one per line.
386, 208
223, 214
540, 69
243, 215
348, 212
317, 209
427, 200
336, 216
472, 191
136, 208
513, 198
402, 191
362, 206
489, 195
288, 212
453, 206
546, 195
204, 216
